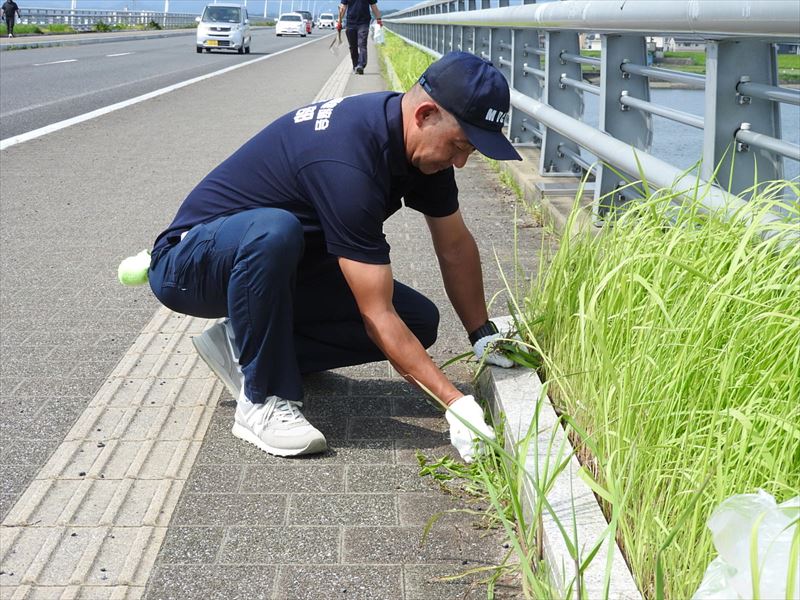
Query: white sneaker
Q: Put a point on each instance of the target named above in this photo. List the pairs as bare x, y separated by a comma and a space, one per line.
217, 348
277, 427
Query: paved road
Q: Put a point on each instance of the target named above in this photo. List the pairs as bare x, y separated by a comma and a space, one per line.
89, 512
46, 85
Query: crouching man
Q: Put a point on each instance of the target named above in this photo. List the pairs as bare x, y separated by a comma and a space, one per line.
285, 239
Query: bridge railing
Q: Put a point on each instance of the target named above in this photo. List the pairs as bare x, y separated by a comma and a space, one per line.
538, 49
85, 20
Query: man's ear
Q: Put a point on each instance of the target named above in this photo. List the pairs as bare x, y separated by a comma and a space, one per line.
426, 113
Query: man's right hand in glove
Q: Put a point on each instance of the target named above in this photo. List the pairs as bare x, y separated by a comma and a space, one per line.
460, 413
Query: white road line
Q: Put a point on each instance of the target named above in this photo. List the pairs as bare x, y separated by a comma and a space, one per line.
55, 62
119, 54
36, 133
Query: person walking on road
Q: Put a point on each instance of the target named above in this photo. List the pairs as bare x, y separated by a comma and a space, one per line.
300, 266
357, 30
9, 12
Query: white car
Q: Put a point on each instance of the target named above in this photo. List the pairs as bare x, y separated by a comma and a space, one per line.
326, 21
291, 24
223, 27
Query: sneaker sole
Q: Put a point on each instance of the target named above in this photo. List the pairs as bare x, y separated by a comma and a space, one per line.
314, 447
208, 355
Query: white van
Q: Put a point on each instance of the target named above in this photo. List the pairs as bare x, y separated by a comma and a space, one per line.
223, 27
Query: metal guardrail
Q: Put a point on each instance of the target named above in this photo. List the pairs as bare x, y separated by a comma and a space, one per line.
86, 20
537, 47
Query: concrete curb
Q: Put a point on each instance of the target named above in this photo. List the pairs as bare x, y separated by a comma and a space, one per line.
515, 394
78, 40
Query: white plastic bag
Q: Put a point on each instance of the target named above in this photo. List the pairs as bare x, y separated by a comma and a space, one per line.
729, 576
377, 35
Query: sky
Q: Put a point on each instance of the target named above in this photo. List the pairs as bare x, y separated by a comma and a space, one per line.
255, 7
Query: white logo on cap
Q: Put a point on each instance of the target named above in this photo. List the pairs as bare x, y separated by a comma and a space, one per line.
495, 116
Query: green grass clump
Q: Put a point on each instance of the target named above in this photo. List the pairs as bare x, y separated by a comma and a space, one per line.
408, 62
19, 29
58, 28
673, 339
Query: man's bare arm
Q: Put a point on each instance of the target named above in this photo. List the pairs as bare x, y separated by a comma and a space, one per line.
373, 287
460, 264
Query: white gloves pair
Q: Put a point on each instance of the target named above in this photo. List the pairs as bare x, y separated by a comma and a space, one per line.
462, 414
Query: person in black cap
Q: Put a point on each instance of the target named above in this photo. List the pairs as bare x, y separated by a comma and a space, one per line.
300, 268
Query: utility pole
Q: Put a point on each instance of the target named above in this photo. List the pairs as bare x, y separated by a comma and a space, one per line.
265, 9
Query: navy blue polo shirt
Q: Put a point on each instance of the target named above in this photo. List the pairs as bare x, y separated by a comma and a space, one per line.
339, 166
358, 12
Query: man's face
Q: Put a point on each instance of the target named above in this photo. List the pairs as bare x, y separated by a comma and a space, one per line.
441, 143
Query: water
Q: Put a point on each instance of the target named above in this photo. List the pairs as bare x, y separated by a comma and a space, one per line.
682, 145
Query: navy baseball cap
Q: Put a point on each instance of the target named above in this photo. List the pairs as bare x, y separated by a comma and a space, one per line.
477, 95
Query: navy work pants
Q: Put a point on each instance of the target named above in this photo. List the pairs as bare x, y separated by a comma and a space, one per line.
289, 316
357, 40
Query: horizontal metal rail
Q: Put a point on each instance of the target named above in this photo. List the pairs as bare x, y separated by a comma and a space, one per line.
580, 59
662, 111
768, 92
576, 158
579, 85
745, 136
81, 19
764, 19
691, 79
660, 173
533, 71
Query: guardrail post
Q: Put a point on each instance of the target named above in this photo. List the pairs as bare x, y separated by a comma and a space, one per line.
429, 29
521, 128
451, 30
459, 40
471, 32
565, 99
727, 62
482, 38
632, 126
500, 51
437, 29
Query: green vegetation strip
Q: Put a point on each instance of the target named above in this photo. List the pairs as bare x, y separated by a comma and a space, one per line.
673, 339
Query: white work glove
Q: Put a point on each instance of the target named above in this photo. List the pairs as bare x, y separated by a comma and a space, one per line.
484, 346
465, 440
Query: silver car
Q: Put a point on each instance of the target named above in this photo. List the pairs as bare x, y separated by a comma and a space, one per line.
224, 27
